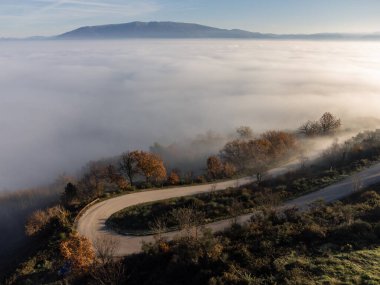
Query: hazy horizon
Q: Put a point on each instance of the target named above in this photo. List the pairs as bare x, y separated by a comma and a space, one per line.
65, 103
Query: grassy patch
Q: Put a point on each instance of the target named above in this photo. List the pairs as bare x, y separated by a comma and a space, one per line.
356, 267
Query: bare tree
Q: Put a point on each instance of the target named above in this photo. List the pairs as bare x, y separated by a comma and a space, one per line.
128, 165
159, 226
107, 269
310, 128
189, 219
329, 123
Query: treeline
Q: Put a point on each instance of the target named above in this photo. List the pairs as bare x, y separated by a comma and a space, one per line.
326, 125
252, 155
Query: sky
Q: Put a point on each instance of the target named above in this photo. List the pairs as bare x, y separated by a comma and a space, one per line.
21, 18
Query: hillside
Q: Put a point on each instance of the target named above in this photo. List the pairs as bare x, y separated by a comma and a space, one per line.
156, 30
176, 30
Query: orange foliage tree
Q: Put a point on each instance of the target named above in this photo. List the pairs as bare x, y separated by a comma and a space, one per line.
41, 219
79, 252
256, 155
214, 167
151, 166
173, 178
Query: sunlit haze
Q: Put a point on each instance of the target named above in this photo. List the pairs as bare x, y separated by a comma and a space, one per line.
65, 103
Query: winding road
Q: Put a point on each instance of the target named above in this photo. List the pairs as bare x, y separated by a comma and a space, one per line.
92, 223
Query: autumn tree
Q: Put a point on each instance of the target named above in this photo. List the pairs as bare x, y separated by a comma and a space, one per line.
256, 155
150, 166
214, 167
173, 178
280, 141
79, 252
229, 170
41, 220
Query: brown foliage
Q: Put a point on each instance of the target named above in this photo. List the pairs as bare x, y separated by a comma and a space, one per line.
214, 167
151, 166
229, 170
78, 251
173, 178
40, 219
256, 154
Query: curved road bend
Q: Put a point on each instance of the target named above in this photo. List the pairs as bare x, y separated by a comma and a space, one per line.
92, 223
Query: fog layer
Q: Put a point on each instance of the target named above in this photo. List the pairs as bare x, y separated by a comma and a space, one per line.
64, 103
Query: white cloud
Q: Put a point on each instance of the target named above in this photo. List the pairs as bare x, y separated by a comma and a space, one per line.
64, 103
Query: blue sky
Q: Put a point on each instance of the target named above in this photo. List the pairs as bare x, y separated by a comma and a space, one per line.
20, 18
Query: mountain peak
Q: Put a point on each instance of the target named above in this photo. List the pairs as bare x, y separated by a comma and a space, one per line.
154, 30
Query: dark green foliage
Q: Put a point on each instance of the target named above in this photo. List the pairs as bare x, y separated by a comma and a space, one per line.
69, 195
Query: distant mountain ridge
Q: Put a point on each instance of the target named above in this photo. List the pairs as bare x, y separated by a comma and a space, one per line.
156, 30
173, 30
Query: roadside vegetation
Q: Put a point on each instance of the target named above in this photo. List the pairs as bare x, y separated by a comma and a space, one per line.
336, 163
57, 254
335, 243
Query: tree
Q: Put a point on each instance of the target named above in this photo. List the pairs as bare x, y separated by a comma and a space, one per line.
229, 170
245, 132
310, 129
188, 219
92, 183
151, 166
70, 195
78, 251
173, 178
107, 269
236, 152
41, 220
214, 167
128, 165
329, 123
116, 179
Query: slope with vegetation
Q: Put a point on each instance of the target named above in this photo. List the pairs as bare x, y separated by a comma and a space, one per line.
60, 255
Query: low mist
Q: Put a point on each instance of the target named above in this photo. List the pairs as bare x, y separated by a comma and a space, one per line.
64, 103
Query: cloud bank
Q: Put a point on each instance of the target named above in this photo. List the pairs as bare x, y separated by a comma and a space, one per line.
64, 103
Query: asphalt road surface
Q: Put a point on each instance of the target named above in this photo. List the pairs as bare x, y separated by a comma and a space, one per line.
92, 223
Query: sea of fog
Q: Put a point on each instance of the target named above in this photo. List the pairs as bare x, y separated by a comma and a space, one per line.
63, 103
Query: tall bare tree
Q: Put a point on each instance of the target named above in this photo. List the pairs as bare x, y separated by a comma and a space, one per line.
128, 165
